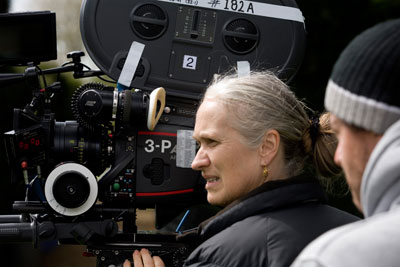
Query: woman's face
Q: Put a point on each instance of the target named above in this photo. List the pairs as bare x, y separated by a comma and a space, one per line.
230, 167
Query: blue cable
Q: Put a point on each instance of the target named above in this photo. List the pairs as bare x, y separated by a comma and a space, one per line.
121, 87
181, 222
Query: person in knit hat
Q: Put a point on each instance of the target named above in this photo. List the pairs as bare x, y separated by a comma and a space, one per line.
363, 96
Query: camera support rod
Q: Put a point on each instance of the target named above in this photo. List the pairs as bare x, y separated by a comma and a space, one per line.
36, 232
74, 66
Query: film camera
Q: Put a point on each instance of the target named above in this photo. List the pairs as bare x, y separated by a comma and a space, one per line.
128, 146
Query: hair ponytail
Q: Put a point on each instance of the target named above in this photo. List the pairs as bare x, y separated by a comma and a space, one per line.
320, 142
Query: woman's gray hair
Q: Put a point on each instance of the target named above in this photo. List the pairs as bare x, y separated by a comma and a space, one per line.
261, 101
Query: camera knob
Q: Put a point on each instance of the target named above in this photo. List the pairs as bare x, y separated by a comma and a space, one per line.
91, 103
71, 189
76, 56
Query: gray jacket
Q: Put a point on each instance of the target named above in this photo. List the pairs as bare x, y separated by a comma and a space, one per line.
269, 227
374, 241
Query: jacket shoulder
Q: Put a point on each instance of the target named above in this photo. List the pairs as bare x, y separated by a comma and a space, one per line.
238, 245
360, 243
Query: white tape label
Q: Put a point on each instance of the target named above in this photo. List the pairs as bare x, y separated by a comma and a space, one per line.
185, 148
246, 7
189, 62
131, 63
243, 68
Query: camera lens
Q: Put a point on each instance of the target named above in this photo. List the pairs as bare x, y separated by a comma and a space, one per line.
94, 104
75, 143
71, 189
132, 108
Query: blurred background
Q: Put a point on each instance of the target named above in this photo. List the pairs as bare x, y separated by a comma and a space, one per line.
330, 25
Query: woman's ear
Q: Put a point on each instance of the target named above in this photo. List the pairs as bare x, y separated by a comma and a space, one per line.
269, 147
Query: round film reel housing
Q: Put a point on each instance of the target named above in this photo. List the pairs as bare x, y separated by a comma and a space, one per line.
187, 42
71, 189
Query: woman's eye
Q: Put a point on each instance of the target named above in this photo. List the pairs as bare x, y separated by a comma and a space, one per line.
211, 142
206, 143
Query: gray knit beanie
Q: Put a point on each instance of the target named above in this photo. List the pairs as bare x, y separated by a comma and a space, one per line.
364, 87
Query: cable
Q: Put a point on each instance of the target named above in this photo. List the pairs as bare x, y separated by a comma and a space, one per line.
105, 80
43, 76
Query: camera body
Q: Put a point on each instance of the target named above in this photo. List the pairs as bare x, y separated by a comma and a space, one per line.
129, 146
137, 166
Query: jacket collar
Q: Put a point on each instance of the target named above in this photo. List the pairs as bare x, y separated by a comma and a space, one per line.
380, 184
269, 196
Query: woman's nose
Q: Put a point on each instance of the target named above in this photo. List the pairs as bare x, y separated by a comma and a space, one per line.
201, 160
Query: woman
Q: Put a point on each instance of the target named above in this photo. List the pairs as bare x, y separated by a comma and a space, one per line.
256, 141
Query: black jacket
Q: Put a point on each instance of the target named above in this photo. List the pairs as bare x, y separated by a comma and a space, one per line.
268, 227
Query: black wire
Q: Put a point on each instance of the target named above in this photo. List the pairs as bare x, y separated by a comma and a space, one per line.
85, 66
101, 78
63, 65
88, 68
43, 76
105, 80
66, 63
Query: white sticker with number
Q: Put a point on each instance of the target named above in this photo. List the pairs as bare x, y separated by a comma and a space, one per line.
185, 148
246, 7
189, 62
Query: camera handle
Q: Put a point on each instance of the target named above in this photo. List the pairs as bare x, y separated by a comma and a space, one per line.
156, 107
